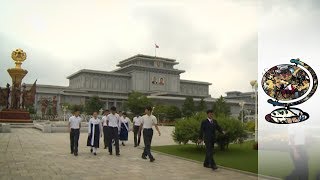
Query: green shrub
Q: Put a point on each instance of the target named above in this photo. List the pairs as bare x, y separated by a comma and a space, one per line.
187, 129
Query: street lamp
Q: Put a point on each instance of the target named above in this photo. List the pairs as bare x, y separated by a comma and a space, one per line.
242, 103
101, 110
254, 85
64, 109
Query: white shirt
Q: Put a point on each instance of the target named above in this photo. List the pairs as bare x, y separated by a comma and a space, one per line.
114, 120
148, 121
137, 121
74, 122
104, 121
126, 120
94, 122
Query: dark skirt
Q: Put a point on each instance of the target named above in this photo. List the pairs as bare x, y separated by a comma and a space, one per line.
96, 135
124, 132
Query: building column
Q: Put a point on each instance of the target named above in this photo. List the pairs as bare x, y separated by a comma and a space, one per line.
107, 104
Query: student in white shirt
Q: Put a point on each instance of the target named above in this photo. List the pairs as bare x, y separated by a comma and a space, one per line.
136, 132
74, 126
113, 121
94, 133
124, 128
147, 121
105, 128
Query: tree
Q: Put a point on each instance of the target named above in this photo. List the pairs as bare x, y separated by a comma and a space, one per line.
76, 107
220, 107
173, 112
137, 102
93, 104
188, 107
202, 106
169, 112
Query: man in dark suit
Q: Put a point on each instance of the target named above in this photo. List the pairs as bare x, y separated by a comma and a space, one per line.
208, 134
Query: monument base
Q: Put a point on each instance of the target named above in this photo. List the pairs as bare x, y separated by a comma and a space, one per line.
15, 116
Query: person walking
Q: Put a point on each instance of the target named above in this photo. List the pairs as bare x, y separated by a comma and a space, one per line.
113, 121
208, 134
136, 132
94, 133
147, 121
124, 128
74, 126
105, 129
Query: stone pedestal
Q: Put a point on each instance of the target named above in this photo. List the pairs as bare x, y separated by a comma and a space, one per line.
5, 128
47, 128
15, 116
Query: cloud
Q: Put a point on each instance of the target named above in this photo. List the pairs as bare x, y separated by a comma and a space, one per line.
209, 39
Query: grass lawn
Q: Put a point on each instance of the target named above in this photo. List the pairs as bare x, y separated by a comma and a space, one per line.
241, 157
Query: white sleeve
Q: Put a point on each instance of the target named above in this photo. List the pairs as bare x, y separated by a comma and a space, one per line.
70, 119
155, 121
89, 126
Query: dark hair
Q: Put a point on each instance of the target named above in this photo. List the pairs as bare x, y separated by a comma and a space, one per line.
149, 108
113, 108
124, 113
209, 111
95, 112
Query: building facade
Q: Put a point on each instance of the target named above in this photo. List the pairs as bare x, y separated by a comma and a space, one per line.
156, 77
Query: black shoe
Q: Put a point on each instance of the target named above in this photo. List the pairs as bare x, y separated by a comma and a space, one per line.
75, 154
118, 154
152, 159
214, 167
91, 150
135, 145
105, 147
143, 157
71, 152
95, 154
110, 153
123, 144
207, 166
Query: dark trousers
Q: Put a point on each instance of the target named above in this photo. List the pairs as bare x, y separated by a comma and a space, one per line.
209, 161
74, 140
137, 135
113, 134
300, 163
147, 138
106, 136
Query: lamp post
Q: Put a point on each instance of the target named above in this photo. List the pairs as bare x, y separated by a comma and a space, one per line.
64, 108
101, 110
242, 103
254, 86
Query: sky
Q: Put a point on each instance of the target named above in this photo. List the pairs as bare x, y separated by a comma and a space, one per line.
214, 41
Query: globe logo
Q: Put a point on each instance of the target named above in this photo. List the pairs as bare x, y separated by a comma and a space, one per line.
289, 85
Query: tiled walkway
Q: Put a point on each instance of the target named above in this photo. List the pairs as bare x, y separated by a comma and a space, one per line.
27, 153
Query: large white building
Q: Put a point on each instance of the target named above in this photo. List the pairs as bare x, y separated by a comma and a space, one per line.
156, 77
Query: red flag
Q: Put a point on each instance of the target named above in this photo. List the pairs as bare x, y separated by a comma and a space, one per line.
156, 45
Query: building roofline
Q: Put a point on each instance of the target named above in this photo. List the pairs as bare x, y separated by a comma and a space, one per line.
148, 67
195, 82
97, 72
48, 86
146, 56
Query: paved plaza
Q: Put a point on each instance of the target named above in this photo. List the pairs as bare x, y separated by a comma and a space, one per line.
27, 153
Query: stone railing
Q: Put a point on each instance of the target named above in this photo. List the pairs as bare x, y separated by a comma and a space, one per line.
38, 117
